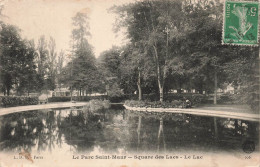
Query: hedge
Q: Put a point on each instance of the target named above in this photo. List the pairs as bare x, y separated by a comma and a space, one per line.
155, 104
75, 98
194, 98
115, 99
8, 101
59, 99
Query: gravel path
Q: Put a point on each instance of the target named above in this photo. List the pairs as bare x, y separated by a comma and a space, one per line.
9, 110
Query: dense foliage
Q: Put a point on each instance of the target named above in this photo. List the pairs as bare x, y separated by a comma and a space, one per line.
24, 66
171, 100
8, 101
177, 45
156, 104
76, 98
81, 73
172, 45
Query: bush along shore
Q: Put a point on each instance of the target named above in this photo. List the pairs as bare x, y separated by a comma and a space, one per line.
96, 105
177, 102
157, 104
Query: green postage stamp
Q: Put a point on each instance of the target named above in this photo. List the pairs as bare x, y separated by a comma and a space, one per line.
240, 23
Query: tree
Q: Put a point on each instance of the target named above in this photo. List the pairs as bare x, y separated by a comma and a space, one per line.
154, 24
128, 71
41, 61
17, 61
242, 70
81, 72
60, 63
80, 31
9, 46
181, 43
42, 56
28, 75
109, 62
208, 50
137, 66
109, 66
51, 65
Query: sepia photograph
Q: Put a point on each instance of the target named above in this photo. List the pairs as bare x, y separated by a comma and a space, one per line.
129, 83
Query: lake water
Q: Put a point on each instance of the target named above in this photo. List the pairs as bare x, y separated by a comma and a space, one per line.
121, 131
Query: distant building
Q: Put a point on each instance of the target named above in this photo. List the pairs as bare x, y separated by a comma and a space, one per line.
229, 89
61, 92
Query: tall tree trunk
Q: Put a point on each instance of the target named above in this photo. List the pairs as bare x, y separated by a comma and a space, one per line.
139, 85
161, 93
28, 89
8, 91
160, 79
71, 93
215, 87
215, 128
139, 132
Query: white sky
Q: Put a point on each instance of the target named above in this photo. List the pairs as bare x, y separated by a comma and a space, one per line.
53, 18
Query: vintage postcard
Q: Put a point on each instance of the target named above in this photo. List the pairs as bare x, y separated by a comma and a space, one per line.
129, 83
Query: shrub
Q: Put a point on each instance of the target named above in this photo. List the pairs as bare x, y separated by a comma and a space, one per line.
198, 99
194, 98
155, 104
232, 99
251, 99
177, 102
59, 99
8, 101
151, 97
96, 105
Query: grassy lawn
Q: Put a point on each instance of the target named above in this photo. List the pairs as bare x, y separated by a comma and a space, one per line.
228, 107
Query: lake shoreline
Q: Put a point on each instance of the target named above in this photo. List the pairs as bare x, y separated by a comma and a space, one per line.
9, 110
202, 112
193, 111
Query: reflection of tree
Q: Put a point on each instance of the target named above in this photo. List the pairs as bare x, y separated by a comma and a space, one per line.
116, 132
49, 131
161, 137
143, 129
139, 131
59, 134
18, 130
51, 125
236, 131
119, 131
81, 130
175, 131
28, 129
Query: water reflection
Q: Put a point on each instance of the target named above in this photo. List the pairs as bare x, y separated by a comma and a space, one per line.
120, 131
161, 136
